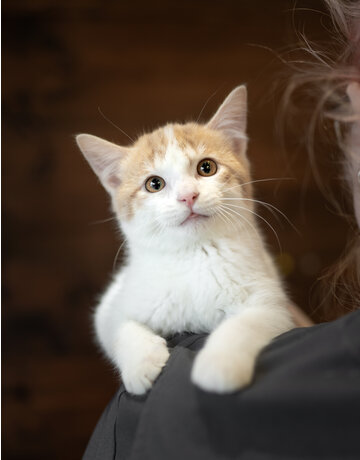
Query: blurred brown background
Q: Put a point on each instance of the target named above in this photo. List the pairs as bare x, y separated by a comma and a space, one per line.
143, 63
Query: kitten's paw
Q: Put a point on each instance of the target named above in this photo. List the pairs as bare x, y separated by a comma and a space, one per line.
221, 371
142, 369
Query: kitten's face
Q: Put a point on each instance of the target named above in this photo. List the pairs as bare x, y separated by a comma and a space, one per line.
175, 180
180, 183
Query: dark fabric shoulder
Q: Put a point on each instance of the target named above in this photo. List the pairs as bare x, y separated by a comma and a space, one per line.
304, 403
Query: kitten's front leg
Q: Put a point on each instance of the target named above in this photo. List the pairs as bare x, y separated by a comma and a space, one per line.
140, 354
227, 361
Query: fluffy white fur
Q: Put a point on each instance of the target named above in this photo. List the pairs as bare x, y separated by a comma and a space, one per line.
211, 274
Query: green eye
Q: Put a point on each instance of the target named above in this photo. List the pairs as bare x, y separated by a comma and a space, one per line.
207, 167
154, 184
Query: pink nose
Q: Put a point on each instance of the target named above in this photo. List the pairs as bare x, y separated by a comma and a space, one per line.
188, 198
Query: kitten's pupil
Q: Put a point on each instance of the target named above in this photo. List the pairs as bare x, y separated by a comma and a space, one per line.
155, 183
205, 167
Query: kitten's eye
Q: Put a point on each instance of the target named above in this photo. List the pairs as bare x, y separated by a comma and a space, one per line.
207, 167
154, 184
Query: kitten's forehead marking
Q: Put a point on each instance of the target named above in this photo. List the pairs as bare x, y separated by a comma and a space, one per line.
169, 134
177, 153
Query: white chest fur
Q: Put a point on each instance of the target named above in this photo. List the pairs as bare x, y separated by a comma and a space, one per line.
191, 290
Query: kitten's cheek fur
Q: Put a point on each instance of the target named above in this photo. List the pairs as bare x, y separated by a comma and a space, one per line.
140, 369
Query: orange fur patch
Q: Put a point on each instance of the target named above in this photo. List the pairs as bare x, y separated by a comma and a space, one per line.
195, 141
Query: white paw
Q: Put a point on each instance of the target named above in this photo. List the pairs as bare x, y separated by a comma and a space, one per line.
143, 367
222, 371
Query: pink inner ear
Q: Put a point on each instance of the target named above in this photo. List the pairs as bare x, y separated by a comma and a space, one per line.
113, 181
238, 144
104, 158
230, 117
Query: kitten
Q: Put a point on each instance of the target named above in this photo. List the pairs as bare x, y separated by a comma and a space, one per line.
196, 260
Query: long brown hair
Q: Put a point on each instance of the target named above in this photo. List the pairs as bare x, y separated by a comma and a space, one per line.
322, 80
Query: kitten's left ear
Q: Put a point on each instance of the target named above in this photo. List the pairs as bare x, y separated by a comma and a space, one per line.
230, 118
104, 158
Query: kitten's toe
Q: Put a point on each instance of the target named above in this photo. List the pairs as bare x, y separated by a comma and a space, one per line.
139, 375
220, 372
136, 384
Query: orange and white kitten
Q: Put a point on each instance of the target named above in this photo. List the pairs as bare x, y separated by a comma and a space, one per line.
196, 260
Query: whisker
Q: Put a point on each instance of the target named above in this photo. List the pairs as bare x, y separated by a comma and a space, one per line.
232, 218
158, 228
117, 255
227, 217
266, 205
222, 217
232, 211
206, 103
114, 125
227, 181
260, 217
272, 208
260, 180
102, 221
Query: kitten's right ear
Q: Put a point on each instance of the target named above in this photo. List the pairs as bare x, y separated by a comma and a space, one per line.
230, 118
104, 158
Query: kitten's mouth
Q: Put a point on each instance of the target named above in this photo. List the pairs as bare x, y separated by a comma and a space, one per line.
194, 216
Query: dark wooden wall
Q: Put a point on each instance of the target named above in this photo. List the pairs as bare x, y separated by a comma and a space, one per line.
143, 63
